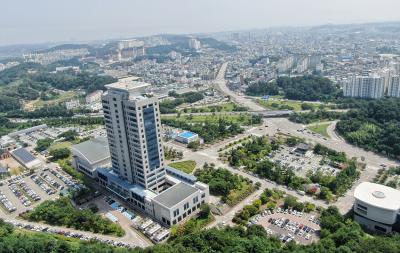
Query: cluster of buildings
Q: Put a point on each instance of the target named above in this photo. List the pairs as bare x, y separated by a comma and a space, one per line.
7, 65
299, 64
129, 49
92, 102
132, 164
45, 58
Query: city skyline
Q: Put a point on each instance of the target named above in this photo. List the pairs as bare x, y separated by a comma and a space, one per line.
44, 23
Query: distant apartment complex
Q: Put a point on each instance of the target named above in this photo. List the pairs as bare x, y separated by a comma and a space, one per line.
194, 44
56, 55
394, 87
377, 207
365, 87
373, 86
128, 49
72, 104
138, 173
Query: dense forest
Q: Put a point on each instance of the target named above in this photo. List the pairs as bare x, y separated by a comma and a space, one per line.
338, 235
304, 88
376, 126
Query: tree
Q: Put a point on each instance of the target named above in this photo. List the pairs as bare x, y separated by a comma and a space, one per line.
60, 153
205, 211
69, 135
194, 145
290, 201
43, 144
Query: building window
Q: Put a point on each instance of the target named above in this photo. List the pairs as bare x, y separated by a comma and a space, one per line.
185, 206
380, 229
176, 212
362, 207
195, 200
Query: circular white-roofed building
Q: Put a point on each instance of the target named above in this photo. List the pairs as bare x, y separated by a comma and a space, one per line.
376, 206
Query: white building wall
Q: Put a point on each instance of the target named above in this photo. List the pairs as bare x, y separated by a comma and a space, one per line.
375, 213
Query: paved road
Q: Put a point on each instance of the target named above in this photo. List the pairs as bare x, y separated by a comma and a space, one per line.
275, 125
220, 84
128, 239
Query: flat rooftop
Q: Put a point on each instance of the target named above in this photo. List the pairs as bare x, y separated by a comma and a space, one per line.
175, 194
187, 134
378, 195
94, 150
129, 84
23, 155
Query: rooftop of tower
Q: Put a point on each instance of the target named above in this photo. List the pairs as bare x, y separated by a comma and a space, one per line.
129, 84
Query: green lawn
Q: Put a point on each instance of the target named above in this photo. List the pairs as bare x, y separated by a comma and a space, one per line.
63, 144
225, 107
280, 104
320, 128
61, 98
185, 166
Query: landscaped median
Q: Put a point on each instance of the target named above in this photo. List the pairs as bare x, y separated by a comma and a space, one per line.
320, 128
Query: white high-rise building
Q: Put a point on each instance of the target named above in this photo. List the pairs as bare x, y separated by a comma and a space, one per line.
394, 87
365, 87
134, 133
194, 43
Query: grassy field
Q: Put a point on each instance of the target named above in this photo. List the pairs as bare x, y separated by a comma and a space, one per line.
63, 144
185, 166
320, 128
225, 107
61, 98
236, 118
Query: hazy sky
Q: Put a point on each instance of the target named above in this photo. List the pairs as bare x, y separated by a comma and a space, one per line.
32, 21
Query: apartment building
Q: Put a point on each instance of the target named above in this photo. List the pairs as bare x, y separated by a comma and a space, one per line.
365, 87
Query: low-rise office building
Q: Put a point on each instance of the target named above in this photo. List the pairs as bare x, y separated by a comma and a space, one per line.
187, 137
90, 155
25, 158
377, 207
169, 207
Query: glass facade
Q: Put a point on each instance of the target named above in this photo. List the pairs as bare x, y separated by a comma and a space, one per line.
151, 137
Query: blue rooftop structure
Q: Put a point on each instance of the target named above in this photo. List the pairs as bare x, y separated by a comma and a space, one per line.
187, 137
187, 134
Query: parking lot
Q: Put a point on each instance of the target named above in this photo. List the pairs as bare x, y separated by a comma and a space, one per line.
21, 193
289, 225
302, 163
